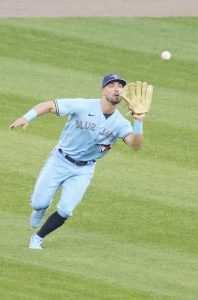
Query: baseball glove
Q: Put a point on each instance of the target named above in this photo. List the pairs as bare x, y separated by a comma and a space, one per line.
138, 97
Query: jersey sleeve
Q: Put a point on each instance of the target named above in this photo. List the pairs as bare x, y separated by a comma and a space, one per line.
125, 130
68, 106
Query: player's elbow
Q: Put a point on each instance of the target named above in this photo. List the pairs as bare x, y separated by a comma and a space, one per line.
136, 147
134, 141
137, 142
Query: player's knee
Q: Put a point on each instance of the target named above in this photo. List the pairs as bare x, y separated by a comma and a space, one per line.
63, 213
37, 202
39, 205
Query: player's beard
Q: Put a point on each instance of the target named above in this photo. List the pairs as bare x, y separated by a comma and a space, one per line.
114, 101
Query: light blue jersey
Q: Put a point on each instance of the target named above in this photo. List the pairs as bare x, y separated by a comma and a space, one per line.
87, 134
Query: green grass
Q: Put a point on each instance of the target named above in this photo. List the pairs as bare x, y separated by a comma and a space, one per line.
134, 235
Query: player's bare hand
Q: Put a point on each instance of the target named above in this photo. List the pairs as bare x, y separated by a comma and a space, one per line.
22, 122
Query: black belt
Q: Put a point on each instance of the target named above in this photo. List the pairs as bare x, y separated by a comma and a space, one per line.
76, 162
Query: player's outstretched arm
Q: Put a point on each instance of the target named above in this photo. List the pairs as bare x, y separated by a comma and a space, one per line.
135, 140
39, 110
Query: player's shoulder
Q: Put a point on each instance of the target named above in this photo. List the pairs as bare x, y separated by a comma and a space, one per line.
80, 100
86, 101
89, 101
81, 103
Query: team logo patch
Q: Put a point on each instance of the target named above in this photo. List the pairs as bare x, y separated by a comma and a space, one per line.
103, 147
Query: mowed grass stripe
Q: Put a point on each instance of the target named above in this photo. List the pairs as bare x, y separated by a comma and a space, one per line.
35, 284
48, 82
119, 263
36, 46
152, 34
45, 81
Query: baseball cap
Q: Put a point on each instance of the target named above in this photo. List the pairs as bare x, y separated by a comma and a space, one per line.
112, 77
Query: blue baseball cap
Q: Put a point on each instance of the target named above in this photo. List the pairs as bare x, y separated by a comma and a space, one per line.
112, 77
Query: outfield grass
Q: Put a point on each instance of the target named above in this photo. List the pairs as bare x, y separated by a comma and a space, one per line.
134, 236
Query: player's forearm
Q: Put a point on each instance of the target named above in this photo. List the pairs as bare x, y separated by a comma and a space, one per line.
39, 110
138, 134
135, 140
45, 107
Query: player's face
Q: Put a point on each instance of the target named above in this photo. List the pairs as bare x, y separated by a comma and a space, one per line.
111, 92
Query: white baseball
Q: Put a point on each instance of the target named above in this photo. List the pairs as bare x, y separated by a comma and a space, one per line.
165, 55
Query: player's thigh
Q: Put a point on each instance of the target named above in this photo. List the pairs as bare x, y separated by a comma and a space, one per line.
72, 193
46, 185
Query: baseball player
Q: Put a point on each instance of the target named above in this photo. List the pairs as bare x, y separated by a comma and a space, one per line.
91, 130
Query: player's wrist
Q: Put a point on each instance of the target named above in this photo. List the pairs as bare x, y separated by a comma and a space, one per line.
138, 126
30, 115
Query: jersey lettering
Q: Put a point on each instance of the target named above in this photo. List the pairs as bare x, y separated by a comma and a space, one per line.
86, 125
109, 135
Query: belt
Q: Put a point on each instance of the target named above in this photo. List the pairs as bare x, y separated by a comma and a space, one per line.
76, 162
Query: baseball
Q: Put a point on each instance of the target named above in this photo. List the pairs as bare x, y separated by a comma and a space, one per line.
165, 55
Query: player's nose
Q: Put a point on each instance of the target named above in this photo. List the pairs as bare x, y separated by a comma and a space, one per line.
117, 90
